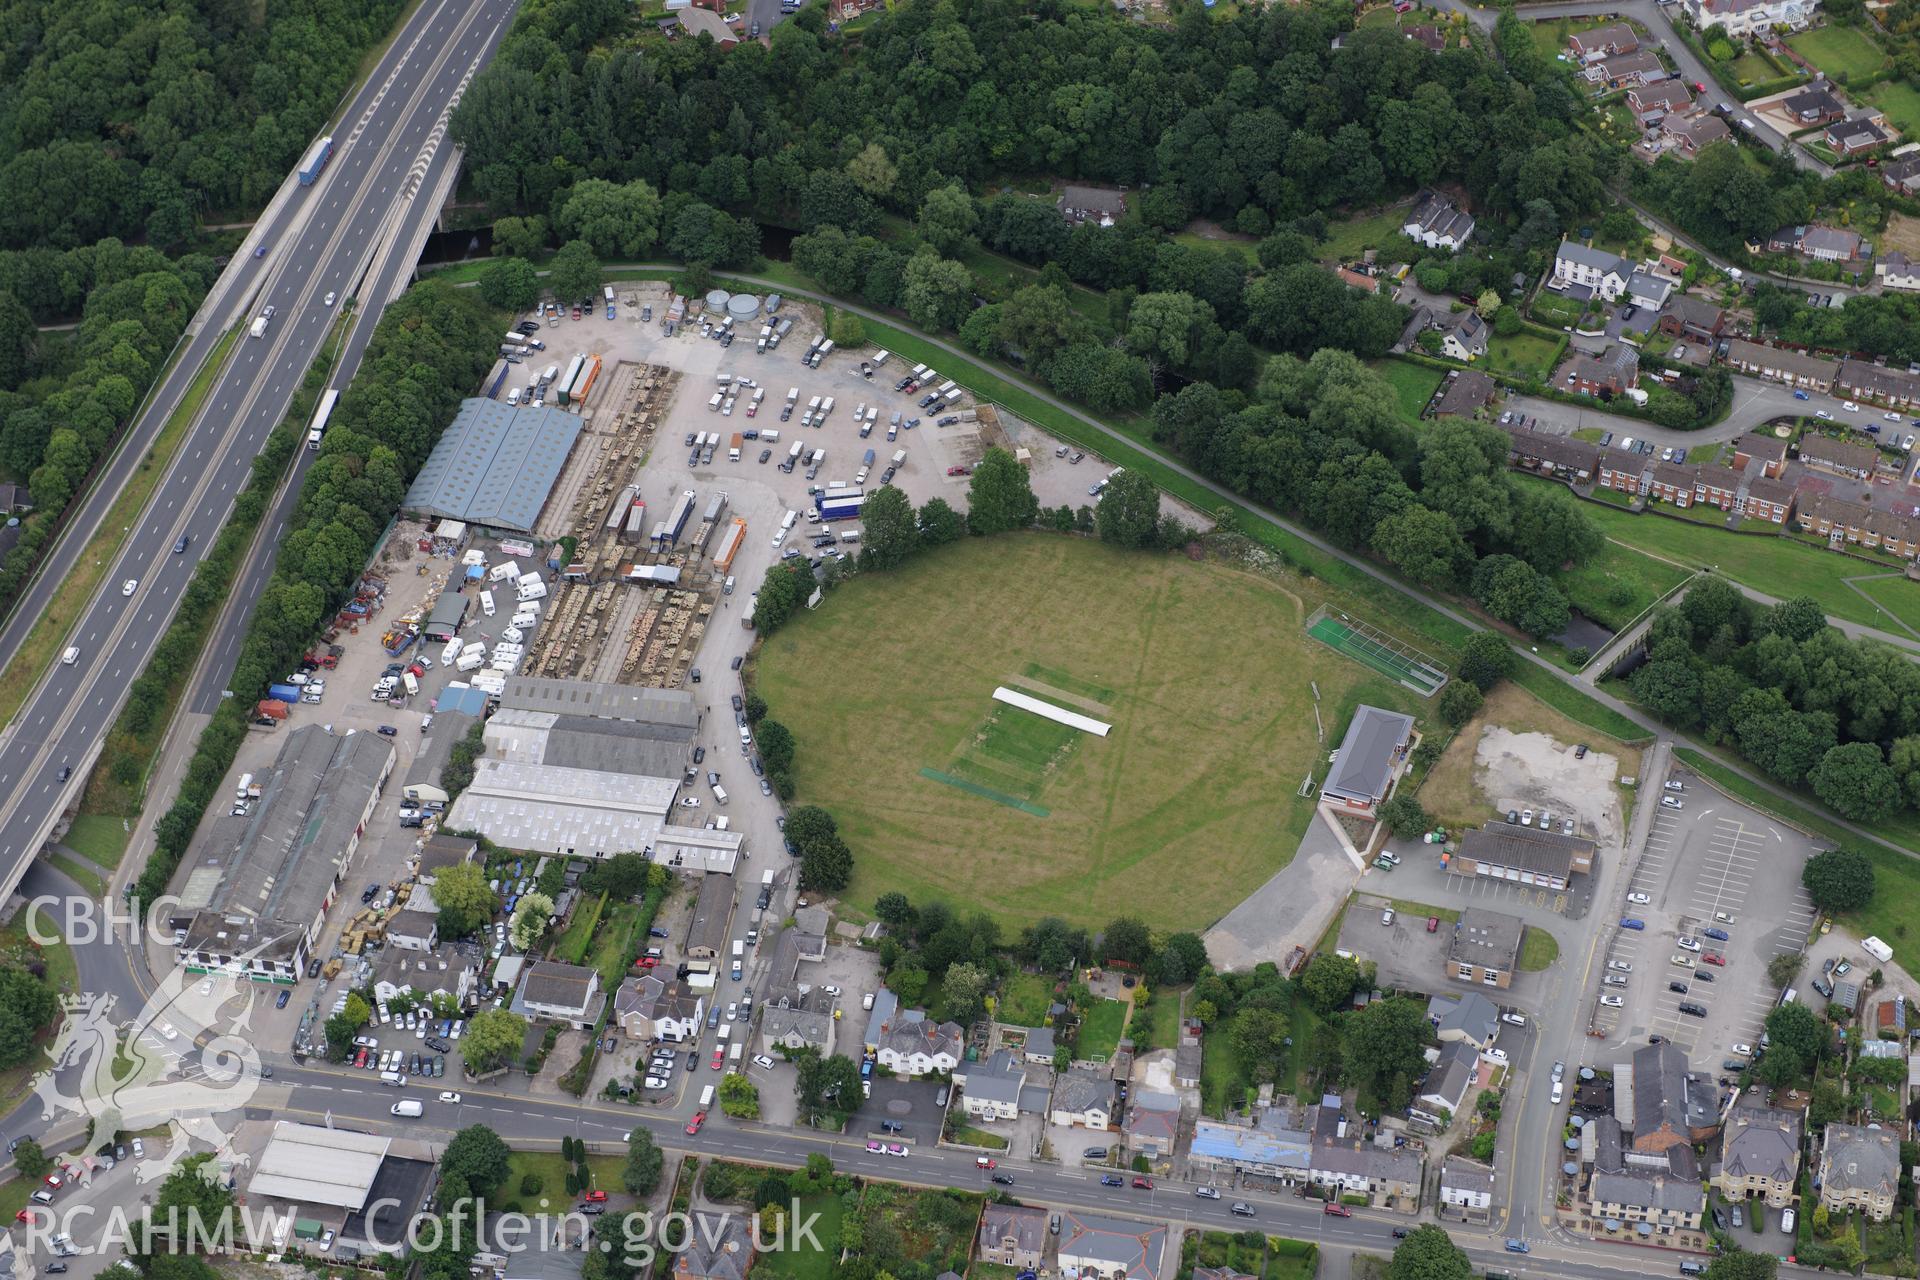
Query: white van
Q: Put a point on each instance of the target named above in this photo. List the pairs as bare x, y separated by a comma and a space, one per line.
813, 405
826, 406
706, 1098
410, 1109
791, 516
713, 404
71, 656
393, 1078
486, 603
899, 457
719, 794
766, 878
727, 588
851, 535
733, 1054
739, 949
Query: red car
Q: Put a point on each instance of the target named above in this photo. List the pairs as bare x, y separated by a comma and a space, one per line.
1433, 924
1332, 1210
23, 1215
1699, 87
596, 1197
693, 1125
986, 1162
1143, 1184
959, 471
1713, 957
645, 962
719, 1056
576, 313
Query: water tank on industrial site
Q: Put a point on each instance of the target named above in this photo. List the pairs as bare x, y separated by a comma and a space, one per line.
743, 306
717, 300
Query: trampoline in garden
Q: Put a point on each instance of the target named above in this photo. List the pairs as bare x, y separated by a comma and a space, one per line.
1374, 648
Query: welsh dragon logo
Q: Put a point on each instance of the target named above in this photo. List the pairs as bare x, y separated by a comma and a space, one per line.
183, 1061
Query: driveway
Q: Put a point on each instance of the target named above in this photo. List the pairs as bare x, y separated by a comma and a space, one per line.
1293, 908
1754, 403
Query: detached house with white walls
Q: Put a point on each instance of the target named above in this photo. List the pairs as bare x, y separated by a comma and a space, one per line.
1578, 267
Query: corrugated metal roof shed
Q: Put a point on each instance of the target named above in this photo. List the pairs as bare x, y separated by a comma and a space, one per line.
495, 464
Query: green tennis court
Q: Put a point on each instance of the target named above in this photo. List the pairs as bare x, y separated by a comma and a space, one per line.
1374, 648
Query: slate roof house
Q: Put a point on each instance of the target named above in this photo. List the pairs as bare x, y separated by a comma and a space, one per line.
1897, 271
1672, 1106
1759, 1153
1013, 1235
1842, 456
1111, 1248
1446, 1085
1153, 1124
1771, 450
649, 1008
719, 1247
1859, 1169
1596, 271
1466, 1185
1821, 243
1468, 1016
557, 992
1467, 339
1601, 42
1083, 1098
1660, 1189
1902, 173
1548, 453
1467, 392
1608, 373
1814, 105
916, 1046
1092, 204
1862, 130
1769, 500
1779, 364
1654, 102
1436, 223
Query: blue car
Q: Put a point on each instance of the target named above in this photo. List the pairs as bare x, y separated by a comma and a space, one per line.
1628, 922
1112, 1180
1519, 1246
1800, 395
1718, 935
866, 1067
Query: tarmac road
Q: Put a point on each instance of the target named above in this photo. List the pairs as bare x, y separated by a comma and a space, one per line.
322, 240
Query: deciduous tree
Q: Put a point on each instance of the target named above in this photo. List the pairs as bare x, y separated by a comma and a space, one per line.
891, 533
464, 899
1838, 880
1000, 495
1128, 514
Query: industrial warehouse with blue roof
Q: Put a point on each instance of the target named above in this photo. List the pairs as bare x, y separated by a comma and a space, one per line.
495, 465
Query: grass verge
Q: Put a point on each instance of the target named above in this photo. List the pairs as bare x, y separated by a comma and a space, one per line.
1578, 707
99, 838
1778, 566
37, 651
1538, 950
